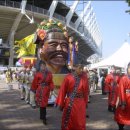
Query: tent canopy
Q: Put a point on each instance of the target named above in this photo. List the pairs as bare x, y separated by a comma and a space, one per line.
120, 58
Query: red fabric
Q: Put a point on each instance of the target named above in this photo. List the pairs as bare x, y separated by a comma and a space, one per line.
111, 89
77, 118
36, 81
42, 93
122, 116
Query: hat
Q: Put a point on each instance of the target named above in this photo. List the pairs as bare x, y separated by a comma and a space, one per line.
47, 26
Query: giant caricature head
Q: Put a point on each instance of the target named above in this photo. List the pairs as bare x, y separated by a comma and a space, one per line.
54, 49
52, 40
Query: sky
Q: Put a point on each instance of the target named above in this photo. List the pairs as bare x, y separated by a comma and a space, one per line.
114, 24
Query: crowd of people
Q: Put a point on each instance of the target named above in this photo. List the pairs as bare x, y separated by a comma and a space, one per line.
75, 90
35, 87
117, 85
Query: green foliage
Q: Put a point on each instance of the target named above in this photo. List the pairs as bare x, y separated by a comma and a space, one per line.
128, 1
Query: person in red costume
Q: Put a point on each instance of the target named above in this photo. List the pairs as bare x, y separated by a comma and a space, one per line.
43, 84
111, 87
73, 99
122, 114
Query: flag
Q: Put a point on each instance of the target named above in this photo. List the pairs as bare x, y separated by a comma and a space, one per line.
26, 46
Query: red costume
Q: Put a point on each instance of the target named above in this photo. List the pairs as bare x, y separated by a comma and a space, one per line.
42, 84
76, 119
122, 116
111, 87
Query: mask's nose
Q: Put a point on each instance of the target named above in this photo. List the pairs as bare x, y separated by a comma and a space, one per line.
58, 47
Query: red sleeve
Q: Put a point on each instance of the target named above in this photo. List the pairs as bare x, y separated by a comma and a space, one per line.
37, 95
87, 92
122, 90
86, 88
107, 83
35, 83
118, 79
62, 93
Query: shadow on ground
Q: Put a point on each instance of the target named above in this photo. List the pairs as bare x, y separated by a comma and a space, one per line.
100, 118
15, 114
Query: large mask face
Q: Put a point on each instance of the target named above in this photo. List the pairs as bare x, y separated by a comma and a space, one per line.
55, 49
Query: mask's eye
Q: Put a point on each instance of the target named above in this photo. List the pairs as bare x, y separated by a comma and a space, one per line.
53, 44
64, 45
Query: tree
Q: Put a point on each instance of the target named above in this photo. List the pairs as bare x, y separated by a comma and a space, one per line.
128, 11
128, 1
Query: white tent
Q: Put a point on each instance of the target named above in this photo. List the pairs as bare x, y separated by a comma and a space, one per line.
120, 58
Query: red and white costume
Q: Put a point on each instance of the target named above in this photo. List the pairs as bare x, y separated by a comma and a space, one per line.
76, 119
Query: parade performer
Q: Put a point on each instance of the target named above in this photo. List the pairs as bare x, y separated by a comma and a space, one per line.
73, 98
28, 82
111, 88
22, 82
32, 92
33, 86
9, 78
44, 83
122, 114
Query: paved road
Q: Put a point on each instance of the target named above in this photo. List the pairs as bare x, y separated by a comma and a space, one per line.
16, 115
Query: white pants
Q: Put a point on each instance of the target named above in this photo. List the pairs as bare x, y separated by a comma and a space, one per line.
32, 98
27, 92
22, 90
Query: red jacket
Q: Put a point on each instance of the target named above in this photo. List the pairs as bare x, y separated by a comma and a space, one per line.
111, 87
122, 116
42, 91
77, 118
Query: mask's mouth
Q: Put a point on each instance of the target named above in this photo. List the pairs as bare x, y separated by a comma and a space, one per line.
57, 54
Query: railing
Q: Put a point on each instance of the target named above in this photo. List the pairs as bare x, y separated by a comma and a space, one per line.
29, 7
36, 9
10, 4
